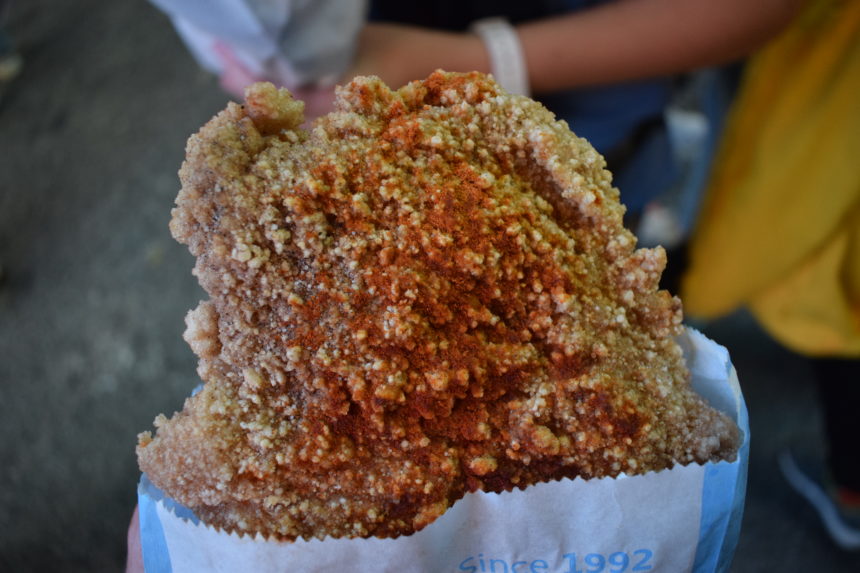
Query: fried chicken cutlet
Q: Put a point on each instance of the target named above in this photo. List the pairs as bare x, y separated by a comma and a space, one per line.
429, 293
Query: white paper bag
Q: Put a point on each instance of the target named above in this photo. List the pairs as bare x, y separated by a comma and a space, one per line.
685, 519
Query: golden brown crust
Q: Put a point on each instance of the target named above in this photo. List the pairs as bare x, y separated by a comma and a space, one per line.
430, 293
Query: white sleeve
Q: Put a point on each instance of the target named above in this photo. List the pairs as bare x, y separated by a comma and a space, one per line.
300, 42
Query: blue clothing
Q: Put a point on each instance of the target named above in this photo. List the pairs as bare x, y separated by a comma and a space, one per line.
624, 122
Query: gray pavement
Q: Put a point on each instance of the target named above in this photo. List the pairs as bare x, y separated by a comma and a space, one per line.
94, 291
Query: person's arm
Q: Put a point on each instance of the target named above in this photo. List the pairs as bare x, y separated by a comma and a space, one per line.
616, 41
633, 39
613, 42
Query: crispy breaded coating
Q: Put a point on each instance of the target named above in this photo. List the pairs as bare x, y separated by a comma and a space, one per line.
429, 293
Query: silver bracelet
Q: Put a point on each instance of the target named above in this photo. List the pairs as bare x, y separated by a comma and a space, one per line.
507, 61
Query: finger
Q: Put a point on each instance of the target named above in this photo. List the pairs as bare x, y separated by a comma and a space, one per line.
318, 101
134, 560
235, 76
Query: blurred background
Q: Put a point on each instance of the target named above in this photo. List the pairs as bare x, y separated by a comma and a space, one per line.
93, 291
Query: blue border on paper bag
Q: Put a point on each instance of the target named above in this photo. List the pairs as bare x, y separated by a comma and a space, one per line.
724, 482
156, 556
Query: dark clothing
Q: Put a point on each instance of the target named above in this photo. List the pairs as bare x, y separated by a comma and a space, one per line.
839, 391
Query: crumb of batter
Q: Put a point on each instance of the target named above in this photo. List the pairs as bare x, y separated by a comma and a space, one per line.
429, 293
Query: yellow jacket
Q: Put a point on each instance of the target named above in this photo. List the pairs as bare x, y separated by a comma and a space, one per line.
780, 228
